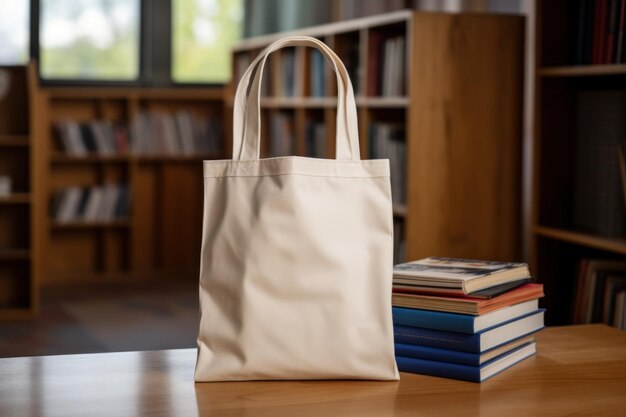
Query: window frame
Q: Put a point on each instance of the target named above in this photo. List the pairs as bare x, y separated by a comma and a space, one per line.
155, 64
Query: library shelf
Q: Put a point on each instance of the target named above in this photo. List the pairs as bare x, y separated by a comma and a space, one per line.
87, 225
15, 254
61, 158
582, 70
16, 198
615, 245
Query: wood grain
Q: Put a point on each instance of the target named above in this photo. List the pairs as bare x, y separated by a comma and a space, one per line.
578, 371
464, 174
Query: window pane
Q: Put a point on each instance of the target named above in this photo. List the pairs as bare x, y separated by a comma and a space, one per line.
14, 32
203, 31
90, 39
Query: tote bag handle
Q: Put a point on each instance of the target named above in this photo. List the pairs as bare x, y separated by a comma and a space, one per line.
247, 108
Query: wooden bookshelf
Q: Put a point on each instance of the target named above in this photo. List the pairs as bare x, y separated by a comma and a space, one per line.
18, 254
558, 243
164, 188
460, 111
582, 70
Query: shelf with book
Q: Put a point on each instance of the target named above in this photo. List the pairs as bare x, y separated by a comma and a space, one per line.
404, 67
88, 225
148, 143
579, 170
18, 252
583, 70
16, 198
587, 32
614, 245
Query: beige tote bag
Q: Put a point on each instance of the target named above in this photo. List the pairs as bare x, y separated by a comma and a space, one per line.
295, 277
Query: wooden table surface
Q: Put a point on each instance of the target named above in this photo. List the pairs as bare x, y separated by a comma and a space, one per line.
578, 370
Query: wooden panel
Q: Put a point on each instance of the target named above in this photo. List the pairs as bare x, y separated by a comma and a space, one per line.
181, 200
14, 105
71, 252
464, 137
145, 214
14, 226
15, 164
14, 285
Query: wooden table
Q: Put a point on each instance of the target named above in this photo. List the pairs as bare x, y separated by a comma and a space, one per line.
578, 370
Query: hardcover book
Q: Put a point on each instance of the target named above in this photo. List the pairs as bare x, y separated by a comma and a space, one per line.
464, 372
468, 305
459, 275
462, 323
472, 343
454, 356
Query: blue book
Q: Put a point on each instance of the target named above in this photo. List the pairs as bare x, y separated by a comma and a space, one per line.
462, 323
464, 372
473, 343
454, 356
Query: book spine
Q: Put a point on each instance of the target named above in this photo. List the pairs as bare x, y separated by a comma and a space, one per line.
441, 369
619, 54
437, 338
461, 323
439, 355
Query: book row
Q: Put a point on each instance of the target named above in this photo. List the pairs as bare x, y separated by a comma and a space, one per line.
386, 66
149, 133
601, 293
386, 141
600, 32
464, 319
93, 204
386, 69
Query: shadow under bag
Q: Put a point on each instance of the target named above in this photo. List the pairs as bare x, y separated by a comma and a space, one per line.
296, 268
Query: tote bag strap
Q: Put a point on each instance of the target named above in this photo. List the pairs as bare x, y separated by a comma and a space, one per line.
247, 108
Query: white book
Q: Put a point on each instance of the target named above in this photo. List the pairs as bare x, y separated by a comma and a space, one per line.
76, 141
172, 138
102, 213
93, 204
185, 131
69, 205
64, 136
458, 274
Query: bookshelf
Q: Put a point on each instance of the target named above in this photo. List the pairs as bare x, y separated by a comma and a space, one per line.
456, 118
572, 98
149, 240
18, 254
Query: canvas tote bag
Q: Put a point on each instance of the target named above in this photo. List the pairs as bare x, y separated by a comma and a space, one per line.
296, 269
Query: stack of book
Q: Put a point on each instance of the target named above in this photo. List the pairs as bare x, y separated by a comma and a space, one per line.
464, 319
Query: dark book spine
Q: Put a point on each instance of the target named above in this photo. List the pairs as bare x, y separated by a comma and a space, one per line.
611, 34
619, 55
437, 339
589, 21
596, 32
580, 34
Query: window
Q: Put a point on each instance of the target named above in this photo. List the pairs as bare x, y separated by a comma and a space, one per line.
14, 24
203, 31
89, 39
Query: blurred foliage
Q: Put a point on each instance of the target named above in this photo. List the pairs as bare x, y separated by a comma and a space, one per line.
107, 49
202, 36
203, 31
